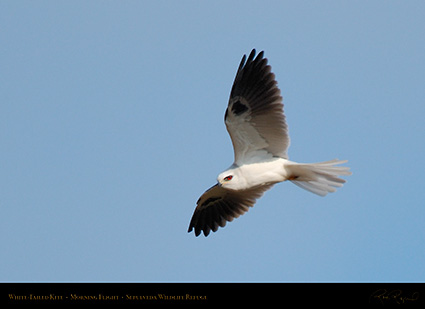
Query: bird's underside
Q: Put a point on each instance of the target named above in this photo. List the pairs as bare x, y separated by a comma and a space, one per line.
256, 124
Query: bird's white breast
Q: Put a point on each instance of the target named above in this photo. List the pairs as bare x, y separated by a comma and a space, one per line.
261, 173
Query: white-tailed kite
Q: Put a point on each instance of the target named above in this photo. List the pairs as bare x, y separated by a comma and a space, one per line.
255, 121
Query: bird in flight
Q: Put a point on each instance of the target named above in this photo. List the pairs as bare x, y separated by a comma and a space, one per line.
256, 124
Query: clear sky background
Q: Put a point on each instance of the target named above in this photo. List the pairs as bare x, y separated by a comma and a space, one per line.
111, 127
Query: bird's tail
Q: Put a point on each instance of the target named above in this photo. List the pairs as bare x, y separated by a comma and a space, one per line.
319, 178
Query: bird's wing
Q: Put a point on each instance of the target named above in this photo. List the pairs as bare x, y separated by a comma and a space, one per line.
218, 205
254, 116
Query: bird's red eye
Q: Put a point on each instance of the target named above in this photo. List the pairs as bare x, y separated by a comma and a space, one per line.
227, 178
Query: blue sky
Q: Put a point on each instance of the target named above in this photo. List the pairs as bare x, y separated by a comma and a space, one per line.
111, 127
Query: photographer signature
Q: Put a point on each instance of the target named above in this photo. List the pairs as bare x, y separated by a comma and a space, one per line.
393, 296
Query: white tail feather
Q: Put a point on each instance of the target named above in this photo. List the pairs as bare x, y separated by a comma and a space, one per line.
318, 178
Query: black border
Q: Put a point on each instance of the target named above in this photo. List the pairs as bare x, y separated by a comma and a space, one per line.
276, 294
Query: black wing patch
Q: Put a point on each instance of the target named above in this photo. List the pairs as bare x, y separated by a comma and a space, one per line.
238, 108
209, 201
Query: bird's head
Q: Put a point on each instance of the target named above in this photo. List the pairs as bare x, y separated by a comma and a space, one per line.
229, 179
